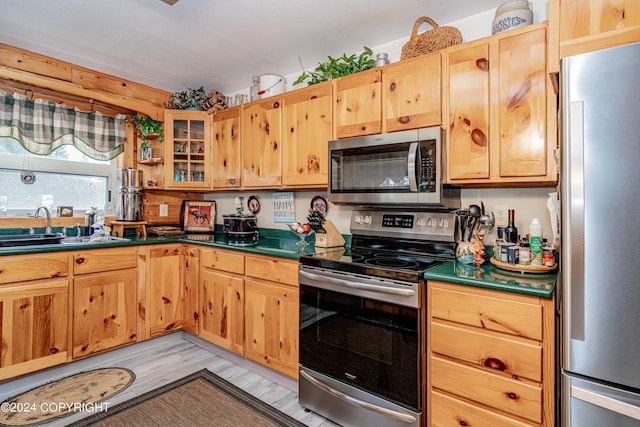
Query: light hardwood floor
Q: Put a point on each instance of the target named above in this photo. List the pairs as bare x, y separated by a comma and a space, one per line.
168, 358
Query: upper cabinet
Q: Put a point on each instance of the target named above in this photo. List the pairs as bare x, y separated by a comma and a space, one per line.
358, 104
412, 93
262, 143
497, 106
187, 150
307, 129
579, 26
227, 148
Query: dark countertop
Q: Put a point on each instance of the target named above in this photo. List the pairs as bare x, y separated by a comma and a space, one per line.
490, 277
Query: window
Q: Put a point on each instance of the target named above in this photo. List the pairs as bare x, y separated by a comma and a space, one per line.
70, 177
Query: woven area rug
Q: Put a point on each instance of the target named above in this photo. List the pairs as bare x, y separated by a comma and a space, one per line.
63, 397
200, 399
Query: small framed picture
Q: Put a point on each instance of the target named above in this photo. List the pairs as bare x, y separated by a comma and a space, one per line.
199, 216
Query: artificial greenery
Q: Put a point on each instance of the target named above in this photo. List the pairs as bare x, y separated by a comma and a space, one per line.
147, 126
188, 99
338, 67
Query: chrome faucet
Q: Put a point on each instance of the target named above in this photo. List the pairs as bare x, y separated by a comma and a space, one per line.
48, 229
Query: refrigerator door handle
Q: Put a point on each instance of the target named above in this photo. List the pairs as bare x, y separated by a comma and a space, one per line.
574, 274
606, 402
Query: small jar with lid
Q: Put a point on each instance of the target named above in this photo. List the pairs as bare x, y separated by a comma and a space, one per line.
525, 253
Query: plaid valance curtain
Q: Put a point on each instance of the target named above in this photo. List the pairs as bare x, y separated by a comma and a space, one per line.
42, 126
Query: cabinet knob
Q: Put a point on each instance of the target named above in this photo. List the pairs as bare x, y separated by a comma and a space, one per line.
482, 64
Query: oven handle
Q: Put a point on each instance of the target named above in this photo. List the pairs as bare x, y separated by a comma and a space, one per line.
357, 402
359, 286
411, 166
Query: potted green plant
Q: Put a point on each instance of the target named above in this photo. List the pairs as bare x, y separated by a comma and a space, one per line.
190, 99
338, 67
148, 127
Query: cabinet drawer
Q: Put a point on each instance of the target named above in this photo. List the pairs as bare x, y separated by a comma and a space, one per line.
21, 268
511, 356
511, 316
506, 394
273, 270
105, 260
448, 411
224, 261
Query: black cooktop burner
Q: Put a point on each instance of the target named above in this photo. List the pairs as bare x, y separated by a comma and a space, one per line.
400, 260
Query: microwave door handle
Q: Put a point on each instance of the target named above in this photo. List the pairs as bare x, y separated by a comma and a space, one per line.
411, 165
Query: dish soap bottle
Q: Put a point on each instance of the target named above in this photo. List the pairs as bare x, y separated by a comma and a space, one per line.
535, 241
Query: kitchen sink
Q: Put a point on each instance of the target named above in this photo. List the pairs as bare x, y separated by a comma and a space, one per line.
87, 241
30, 239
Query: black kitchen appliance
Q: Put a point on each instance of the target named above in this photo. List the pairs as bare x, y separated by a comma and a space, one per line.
362, 318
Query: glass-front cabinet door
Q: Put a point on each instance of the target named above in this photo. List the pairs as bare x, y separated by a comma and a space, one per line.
188, 149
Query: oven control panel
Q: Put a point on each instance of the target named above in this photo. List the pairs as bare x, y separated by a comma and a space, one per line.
414, 225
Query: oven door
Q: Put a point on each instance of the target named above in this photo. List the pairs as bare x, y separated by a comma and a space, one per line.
396, 168
364, 332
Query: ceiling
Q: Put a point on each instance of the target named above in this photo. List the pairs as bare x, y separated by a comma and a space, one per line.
215, 44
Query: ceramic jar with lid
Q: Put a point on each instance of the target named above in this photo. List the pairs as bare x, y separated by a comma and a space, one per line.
512, 14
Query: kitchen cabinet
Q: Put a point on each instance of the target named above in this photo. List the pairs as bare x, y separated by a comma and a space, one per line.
262, 143
271, 313
412, 93
578, 26
307, 129
34, 313
491, 357
222, 299
497, 107
187, 150
104, 299
358, 104
171, 289
227, 148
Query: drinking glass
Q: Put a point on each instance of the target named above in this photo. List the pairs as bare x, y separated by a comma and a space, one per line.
3, 205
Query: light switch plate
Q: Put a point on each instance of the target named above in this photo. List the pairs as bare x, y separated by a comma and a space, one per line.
164, 209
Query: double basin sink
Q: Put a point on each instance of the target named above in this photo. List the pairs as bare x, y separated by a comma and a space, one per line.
13, 240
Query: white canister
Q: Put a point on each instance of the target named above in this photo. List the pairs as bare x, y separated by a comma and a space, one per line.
271, 84
512, 14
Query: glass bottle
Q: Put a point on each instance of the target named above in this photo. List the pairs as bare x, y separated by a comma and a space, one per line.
255, 88
511, 232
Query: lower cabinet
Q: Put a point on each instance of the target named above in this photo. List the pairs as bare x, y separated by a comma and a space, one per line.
490, 357
34, 326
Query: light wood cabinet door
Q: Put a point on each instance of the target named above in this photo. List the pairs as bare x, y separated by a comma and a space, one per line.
358, 104
262, 143
104, 311
170, 302
412, 93
498, 110
222, 309
33, 326
187, 150
587, 25
227, 148
271, 322
307, 129
468, 110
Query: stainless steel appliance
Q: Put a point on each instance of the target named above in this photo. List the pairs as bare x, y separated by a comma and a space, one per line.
129, 206
398, 168
240, 229
362, 318
600, 227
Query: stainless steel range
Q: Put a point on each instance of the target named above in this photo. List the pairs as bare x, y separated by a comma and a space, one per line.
362, 318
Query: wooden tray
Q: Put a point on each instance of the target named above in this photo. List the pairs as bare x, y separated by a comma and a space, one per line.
522, 268
165, 231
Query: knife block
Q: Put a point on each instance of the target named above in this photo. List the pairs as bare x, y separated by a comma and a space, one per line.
332, 238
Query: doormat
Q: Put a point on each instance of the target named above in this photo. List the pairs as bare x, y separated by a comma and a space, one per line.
63, 397
200, 399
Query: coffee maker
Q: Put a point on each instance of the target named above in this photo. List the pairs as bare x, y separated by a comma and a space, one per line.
129, 206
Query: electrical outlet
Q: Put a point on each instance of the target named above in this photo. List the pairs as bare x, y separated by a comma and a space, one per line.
164, 209
502, 215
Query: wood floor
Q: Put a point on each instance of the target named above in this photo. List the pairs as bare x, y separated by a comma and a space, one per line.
168, 358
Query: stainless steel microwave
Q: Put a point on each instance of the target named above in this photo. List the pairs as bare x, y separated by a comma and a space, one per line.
394, 169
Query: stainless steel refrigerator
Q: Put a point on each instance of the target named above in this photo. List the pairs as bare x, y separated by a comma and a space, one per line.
600, 274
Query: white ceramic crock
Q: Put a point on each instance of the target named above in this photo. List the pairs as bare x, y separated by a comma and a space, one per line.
271, 84
512, 14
